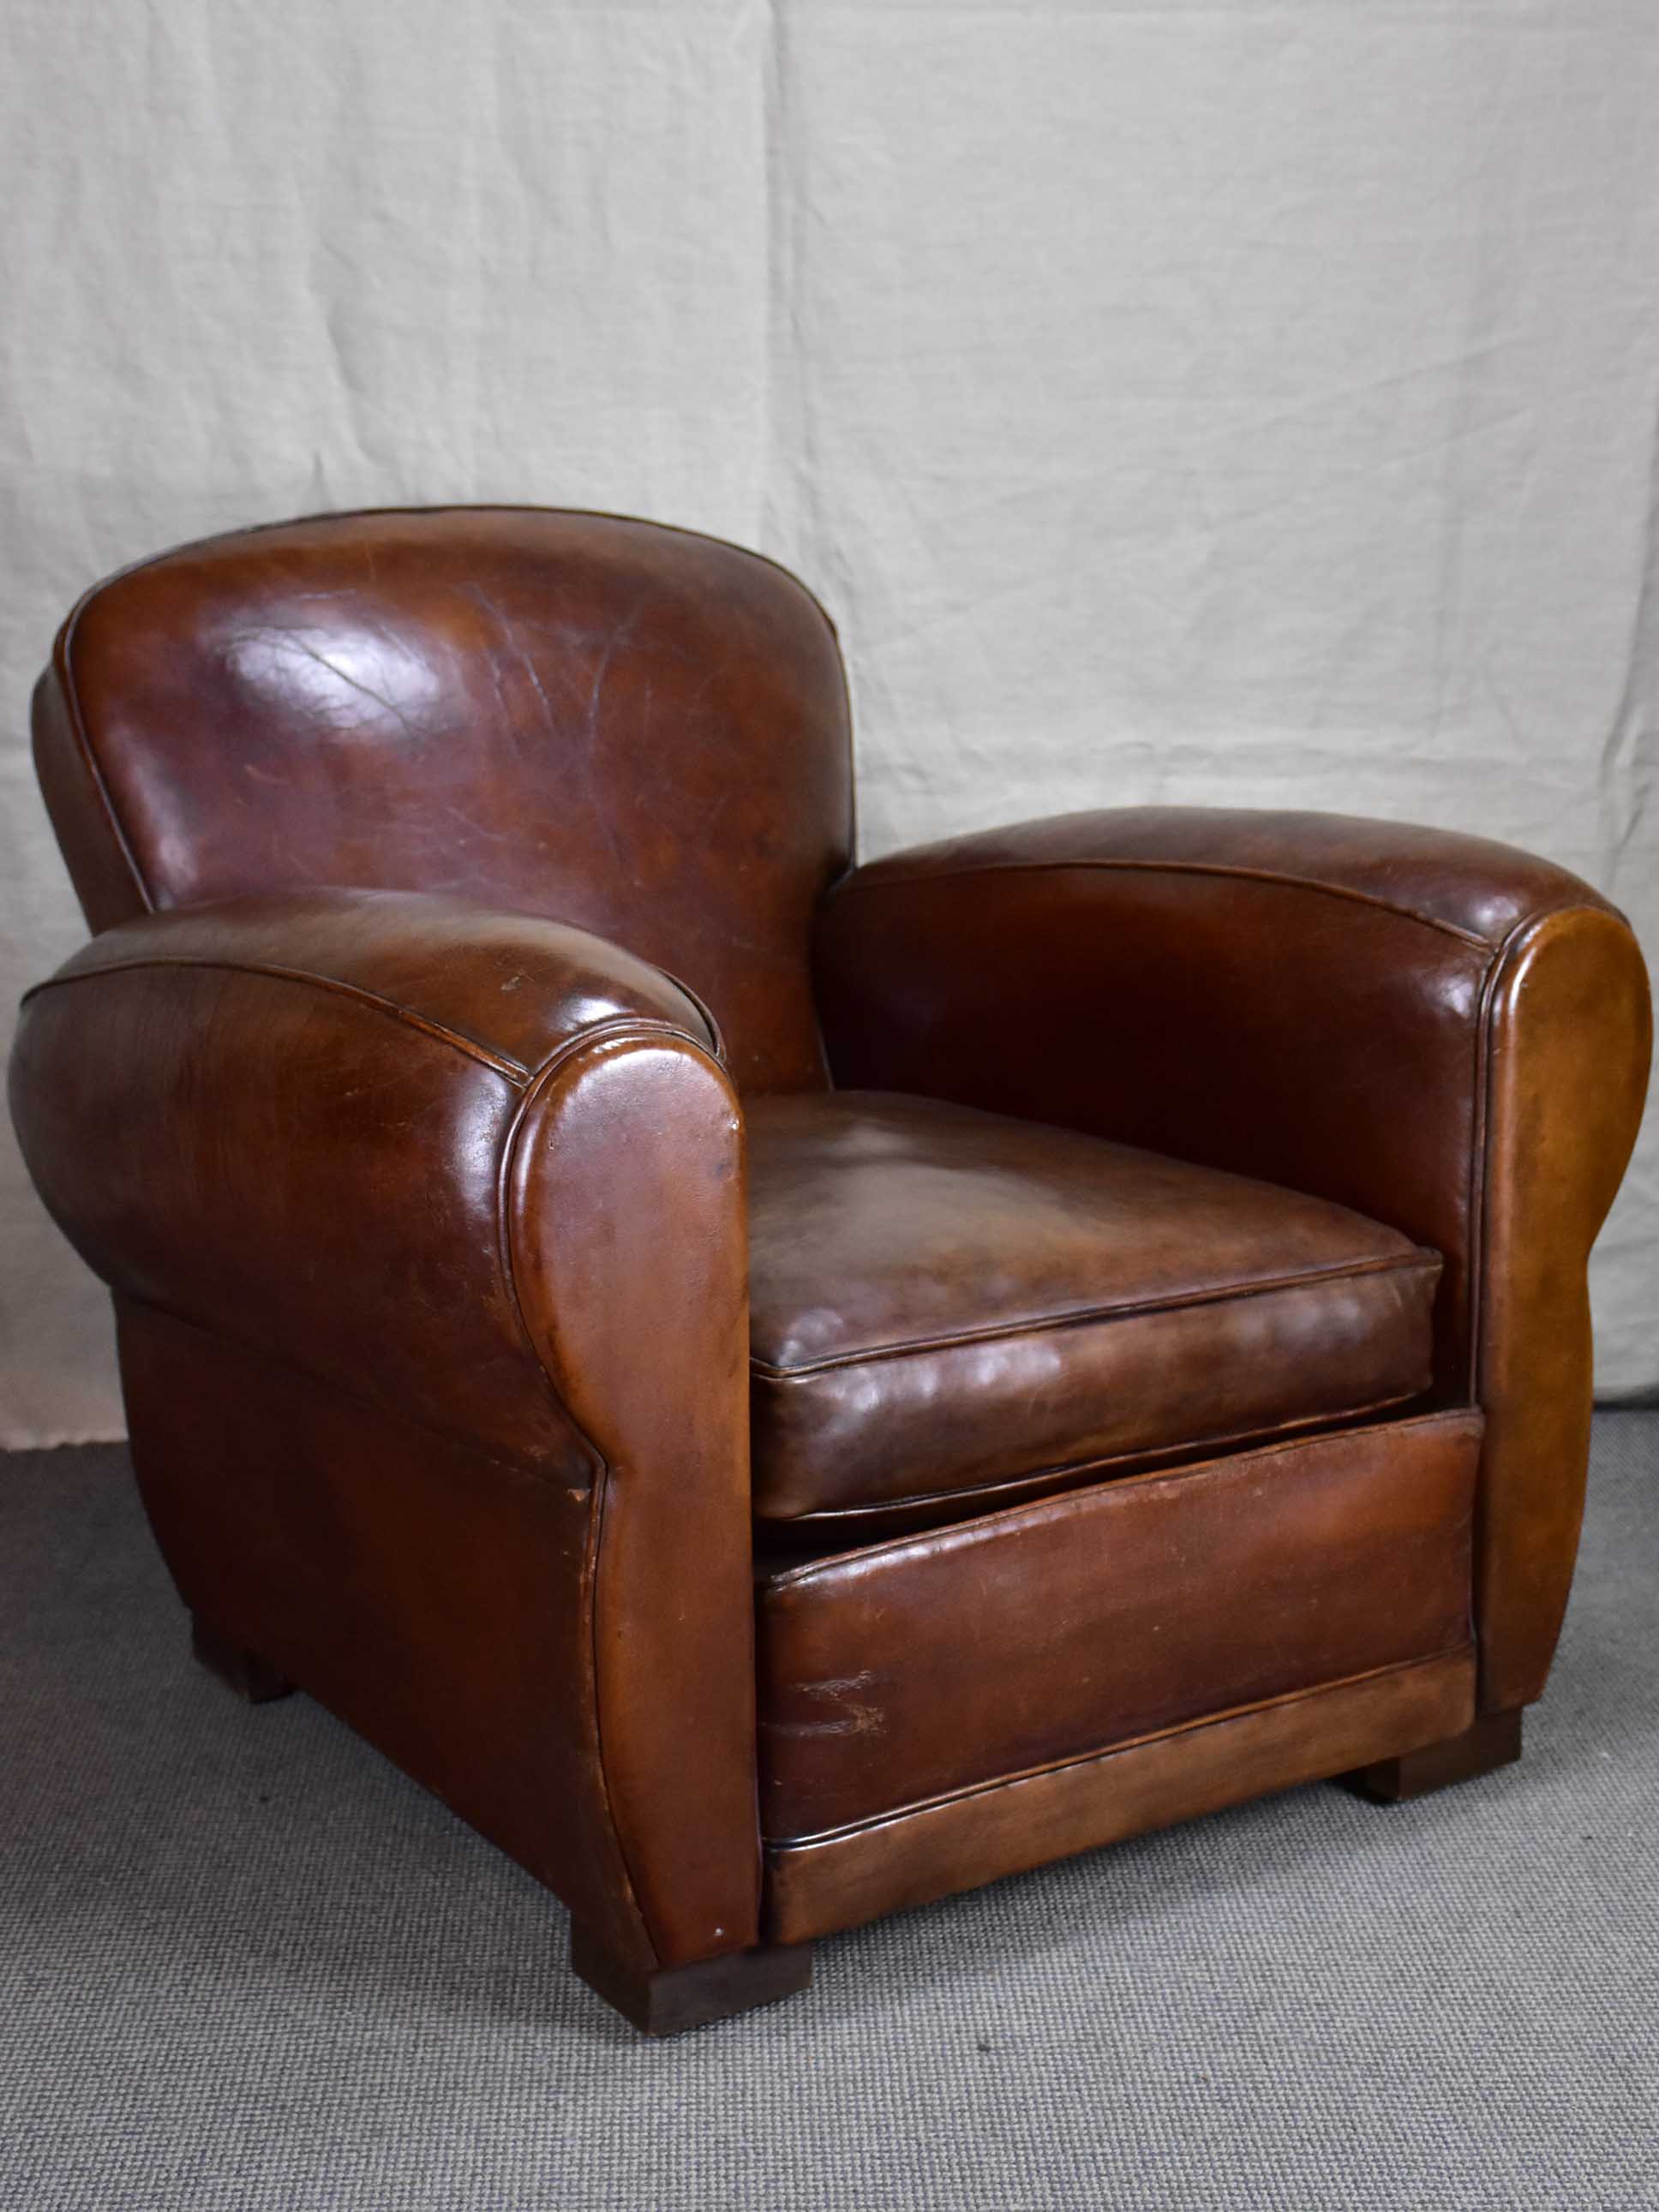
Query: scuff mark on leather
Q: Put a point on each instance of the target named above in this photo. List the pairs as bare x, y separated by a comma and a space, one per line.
851, 1716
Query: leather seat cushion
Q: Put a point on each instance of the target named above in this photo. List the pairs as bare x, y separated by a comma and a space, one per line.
951, 1309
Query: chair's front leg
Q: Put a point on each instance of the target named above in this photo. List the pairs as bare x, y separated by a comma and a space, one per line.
669, 1999
1494, 1741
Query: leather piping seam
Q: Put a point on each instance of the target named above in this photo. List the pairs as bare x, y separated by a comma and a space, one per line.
1278, 877
964, 1532
1420, 1261
446, 507
1295, 1434
500, 1063
779, 1846
88, 752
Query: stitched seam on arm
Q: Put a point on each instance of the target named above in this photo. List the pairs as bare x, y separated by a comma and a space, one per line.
88, 752
469, 1048
1271, 876
1419, 1261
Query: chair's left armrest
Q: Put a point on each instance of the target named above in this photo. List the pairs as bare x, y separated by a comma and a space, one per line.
446, 1189
1446, 1034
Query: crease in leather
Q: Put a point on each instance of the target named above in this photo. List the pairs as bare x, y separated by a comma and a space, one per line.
787, 709
778, 1845
1420, 1261
595, 1707
1295, 1430
1067, 1501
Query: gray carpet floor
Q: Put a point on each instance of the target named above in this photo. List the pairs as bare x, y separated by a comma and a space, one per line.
244, 1963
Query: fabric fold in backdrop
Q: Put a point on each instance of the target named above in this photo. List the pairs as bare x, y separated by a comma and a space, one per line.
1254, 406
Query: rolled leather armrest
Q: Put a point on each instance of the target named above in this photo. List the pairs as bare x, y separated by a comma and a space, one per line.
1445, 1034
289, 1120
481, 1172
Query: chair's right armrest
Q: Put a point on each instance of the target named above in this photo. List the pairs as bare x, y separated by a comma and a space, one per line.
1443, 1033
477, 1174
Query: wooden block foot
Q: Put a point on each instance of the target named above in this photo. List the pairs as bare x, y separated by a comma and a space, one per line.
677, 1997
240, 1670
1493, 1741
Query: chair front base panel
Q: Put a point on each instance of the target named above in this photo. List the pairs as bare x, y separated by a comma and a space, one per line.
1493, 1742
829, 1882
916, 1669
673, 1998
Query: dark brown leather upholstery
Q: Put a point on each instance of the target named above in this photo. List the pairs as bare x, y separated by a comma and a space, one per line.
635, 729
1449, 1036
455, 877
948, 1307
352, 1158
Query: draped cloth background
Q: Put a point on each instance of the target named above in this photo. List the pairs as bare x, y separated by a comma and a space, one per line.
1249, 403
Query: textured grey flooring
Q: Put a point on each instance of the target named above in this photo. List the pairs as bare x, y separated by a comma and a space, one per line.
244, 1963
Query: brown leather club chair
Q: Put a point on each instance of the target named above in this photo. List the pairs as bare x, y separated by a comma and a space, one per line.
782, 1390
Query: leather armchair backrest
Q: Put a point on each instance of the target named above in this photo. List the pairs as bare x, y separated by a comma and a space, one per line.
612, 723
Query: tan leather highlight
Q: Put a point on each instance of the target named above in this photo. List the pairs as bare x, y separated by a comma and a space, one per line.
1341, 1554
945, 1300
813, 1889
635, 729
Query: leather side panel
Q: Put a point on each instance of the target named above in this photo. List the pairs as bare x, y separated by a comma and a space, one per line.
628, 1243
1570, 1033
938, 1663
813, 1889
438, 1601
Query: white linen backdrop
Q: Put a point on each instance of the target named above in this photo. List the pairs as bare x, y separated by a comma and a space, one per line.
1250, 402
